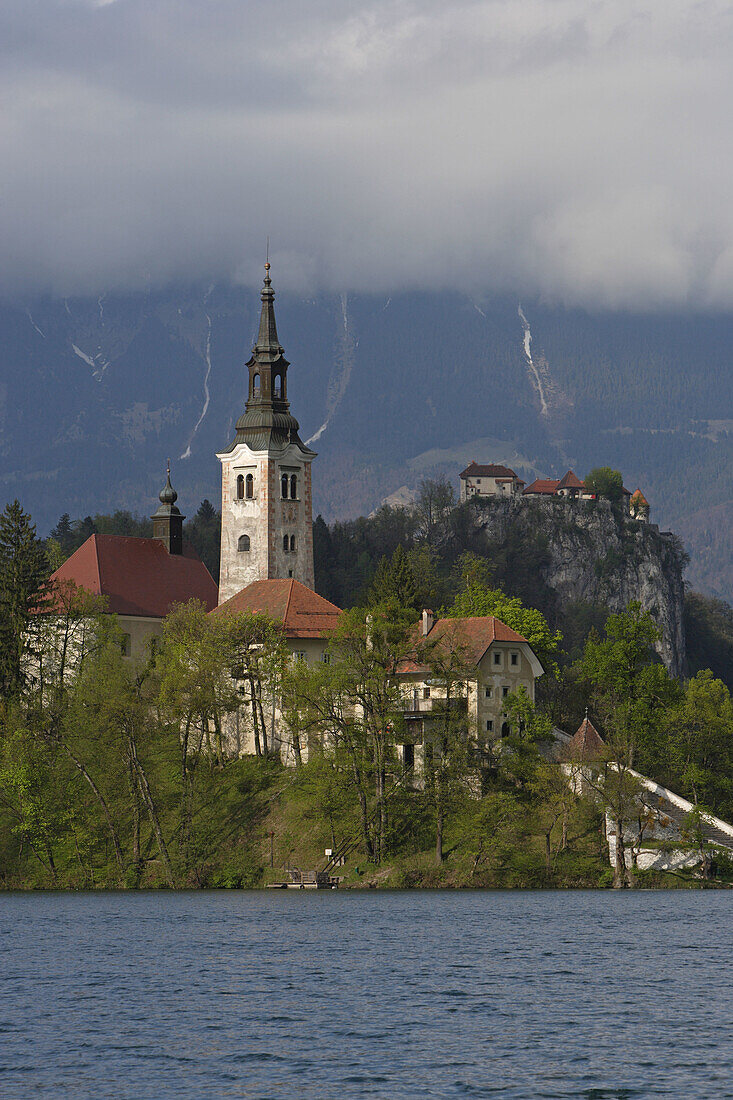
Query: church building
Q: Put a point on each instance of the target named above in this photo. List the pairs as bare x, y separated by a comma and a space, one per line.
266, 508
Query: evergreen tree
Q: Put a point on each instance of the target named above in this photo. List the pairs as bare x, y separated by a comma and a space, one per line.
23, 576
394, 581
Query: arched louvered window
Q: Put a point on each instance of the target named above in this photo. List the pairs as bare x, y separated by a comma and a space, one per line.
293, 486
284, 486
249, 486
240, 487
243, 544
277, 386
256, 385
292, 544
286, 543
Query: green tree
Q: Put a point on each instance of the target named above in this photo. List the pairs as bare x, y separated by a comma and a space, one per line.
701, 742
23, 595
394, 582
436, 500
605, 482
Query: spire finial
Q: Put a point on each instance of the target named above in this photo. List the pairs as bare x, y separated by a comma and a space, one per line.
586, 714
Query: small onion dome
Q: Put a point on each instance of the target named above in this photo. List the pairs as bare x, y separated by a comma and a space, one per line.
168, 494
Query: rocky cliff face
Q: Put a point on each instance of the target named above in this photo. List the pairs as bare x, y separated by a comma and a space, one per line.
591, 553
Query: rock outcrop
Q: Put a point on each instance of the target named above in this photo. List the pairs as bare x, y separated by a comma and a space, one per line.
593, 553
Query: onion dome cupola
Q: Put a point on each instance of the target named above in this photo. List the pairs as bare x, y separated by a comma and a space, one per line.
267, 419
167, 520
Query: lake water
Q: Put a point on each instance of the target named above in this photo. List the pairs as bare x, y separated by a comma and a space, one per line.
428, 994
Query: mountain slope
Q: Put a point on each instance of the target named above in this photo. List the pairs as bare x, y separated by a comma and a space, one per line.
95, 394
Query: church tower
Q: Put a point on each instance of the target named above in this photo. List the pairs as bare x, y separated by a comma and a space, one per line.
266, 509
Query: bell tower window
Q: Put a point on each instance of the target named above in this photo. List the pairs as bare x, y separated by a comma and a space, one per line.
284, 487
256, 385
292, 544
240, 487
243, 544
293, 487
277, 386
249, 487
286, 543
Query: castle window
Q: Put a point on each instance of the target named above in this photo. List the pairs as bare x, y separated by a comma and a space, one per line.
515, 658
277, 386
256, 385
497, 658
489, 725
487, 692
126, 645
326, 657
240, 487
292, 544
293, 487
284, 487
249, 486
286, 543
505, 729
504, 692
243, 544
426, 693
299, 655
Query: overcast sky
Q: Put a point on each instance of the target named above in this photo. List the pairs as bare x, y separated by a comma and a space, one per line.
576, 149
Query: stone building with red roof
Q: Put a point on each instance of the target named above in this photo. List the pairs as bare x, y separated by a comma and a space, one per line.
496, 661
141, 579
489, 480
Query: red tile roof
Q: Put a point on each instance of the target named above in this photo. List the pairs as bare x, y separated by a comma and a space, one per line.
475, 470
138, 576
587, 744
471, 637
303, 613
639, 498
542, 485
570, 481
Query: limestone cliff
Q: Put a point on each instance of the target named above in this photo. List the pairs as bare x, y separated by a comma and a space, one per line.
592, 553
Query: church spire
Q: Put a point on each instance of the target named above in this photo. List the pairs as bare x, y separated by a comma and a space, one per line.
267, 340
267, 420
167, 520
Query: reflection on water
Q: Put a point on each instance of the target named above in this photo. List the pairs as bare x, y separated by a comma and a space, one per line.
598, 995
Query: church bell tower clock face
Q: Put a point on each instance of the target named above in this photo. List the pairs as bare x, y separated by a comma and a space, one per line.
266, 508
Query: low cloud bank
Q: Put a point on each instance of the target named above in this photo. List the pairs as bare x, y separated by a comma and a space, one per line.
552, 147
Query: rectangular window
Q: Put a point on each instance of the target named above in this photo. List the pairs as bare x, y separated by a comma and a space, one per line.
515, 658
426, 693
497, 658
504, 692
126, 645
489, 725
326, 657
299, 655
487, 692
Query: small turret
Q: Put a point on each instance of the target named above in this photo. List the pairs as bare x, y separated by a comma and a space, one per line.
168, 521
639, 506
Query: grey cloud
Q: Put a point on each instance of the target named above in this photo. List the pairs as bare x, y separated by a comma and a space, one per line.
573, 150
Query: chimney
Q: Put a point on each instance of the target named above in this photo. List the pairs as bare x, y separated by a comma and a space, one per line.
428, 621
